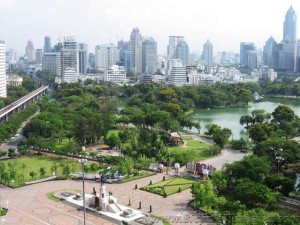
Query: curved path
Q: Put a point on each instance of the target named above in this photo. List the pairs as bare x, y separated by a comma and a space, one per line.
227, 155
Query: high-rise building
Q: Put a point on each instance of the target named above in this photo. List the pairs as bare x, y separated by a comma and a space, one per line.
91, 60
49, 62
39, 56
127, 60
298, 57
244, 48
149, 55
179, 76
126, 55
83, 57
268, 52
290, 26
47, 44
182, 52
106, 56
136, 47
173, 42
285, 57
252, 59
67, 61
58, 47
208, 53
3, 92
30, 53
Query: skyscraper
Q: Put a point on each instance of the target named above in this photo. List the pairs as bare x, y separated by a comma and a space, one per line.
67, 61
83, 57
126, 55
182, 52
285, 57
173, 42
290, 26
49, 62
47, 44
106, 56
149, 55
252, 59
136, 47
208, 53
39, 56
244, 48
268, 52
3, 92
30, 53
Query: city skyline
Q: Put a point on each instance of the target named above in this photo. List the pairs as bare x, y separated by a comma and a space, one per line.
225, 24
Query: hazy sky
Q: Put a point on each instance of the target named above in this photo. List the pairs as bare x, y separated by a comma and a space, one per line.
224, 22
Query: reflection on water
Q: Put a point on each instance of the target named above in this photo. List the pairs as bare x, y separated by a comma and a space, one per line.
230, 117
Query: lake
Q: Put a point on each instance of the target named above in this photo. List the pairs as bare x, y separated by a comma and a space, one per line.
230, 117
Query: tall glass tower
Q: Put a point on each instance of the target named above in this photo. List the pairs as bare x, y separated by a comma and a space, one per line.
182, 52
47, 44
290, 25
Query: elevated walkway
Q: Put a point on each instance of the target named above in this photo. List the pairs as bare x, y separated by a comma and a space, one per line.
22, 103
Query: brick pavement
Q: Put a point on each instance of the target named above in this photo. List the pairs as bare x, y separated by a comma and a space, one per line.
30, 205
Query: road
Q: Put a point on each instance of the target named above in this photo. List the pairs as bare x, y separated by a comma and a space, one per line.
227, 155
15, 141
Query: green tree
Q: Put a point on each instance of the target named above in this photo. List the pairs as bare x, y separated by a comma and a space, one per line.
260, 132
229, 210
42, 172
253, 194
283, 112
32, 174
251, 167
254, 217
66, 171
112, 140
246, 119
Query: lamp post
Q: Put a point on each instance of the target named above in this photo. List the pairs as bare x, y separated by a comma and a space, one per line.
279, 159
83, 163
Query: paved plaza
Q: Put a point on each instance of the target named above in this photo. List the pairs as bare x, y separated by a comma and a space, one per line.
30, 205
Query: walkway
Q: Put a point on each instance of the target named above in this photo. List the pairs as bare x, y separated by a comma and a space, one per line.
227, 155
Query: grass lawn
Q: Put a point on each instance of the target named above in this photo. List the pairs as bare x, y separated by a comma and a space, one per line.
202, 149
170, 186
52, 197
24, 165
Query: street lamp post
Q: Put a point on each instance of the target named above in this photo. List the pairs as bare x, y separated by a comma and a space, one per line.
83, 163
279, 159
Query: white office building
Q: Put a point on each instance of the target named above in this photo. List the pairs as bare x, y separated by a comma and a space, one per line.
106, 56
179, 76
3, 92
116, 74
70, 75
